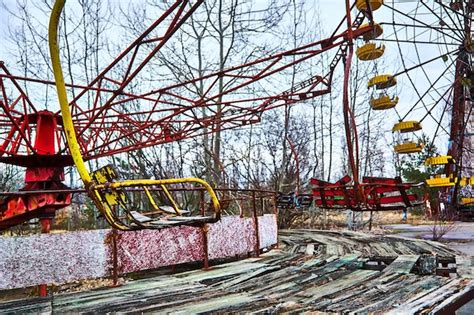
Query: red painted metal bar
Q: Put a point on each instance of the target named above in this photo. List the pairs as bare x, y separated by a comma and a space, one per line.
255, 220
348, 127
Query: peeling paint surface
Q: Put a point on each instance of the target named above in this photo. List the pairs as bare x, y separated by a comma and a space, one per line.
149, 249
231, 236
61, 258
268, 230
52, 258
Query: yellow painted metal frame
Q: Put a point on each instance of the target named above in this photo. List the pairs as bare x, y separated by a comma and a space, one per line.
374, 4
383, 102
370, 51
467, 200
441, 182
93, 188
439, 160
407, 126
382, 81
408, 147
465, 181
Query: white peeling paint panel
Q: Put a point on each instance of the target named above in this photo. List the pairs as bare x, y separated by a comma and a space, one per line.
268, 230
52, 258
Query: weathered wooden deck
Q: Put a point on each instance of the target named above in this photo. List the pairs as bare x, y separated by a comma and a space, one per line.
313, 271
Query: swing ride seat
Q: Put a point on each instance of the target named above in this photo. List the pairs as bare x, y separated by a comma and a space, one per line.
408, 147
293, 201
382, 81
406, 126
333, 195
370, 51
384, 194
374, 4
383, 102
17, 208
285, 201
304, 201
113, 196
377, 194
170, 221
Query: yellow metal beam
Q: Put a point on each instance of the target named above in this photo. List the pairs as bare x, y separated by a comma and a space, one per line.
95, 188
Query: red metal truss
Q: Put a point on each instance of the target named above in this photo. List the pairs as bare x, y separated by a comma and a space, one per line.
171, 113
28, 136
122, 118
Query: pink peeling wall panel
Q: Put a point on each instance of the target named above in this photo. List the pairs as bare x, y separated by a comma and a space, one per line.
231, 236
150, 249
60, 258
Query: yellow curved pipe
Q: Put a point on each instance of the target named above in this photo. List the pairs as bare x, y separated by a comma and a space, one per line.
92, 188
66, 114
168, 181
62, 94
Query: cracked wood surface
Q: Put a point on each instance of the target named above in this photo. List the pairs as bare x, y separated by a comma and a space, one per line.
335, 277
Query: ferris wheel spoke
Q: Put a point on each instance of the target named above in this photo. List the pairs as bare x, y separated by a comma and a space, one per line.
455, 30
411, 41
420, 22
448, 8
421, 97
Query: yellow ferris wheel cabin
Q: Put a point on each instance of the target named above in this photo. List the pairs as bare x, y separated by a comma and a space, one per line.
370, 51
439, 160
407, 126
374, 4
383, 102
408, 147
382, 81
376, 31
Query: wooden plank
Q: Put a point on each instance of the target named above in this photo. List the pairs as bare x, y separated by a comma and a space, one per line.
237, 280
222, 271
427, 298
27, 306
465, 266
346, 282
221, 304
402, 264
460, 297
107, 299
391, 295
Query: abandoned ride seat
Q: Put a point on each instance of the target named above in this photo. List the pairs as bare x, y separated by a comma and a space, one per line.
383, 193
338, 195
167, 215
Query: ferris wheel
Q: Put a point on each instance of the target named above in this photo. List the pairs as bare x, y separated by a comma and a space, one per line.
428, 88
432, 40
